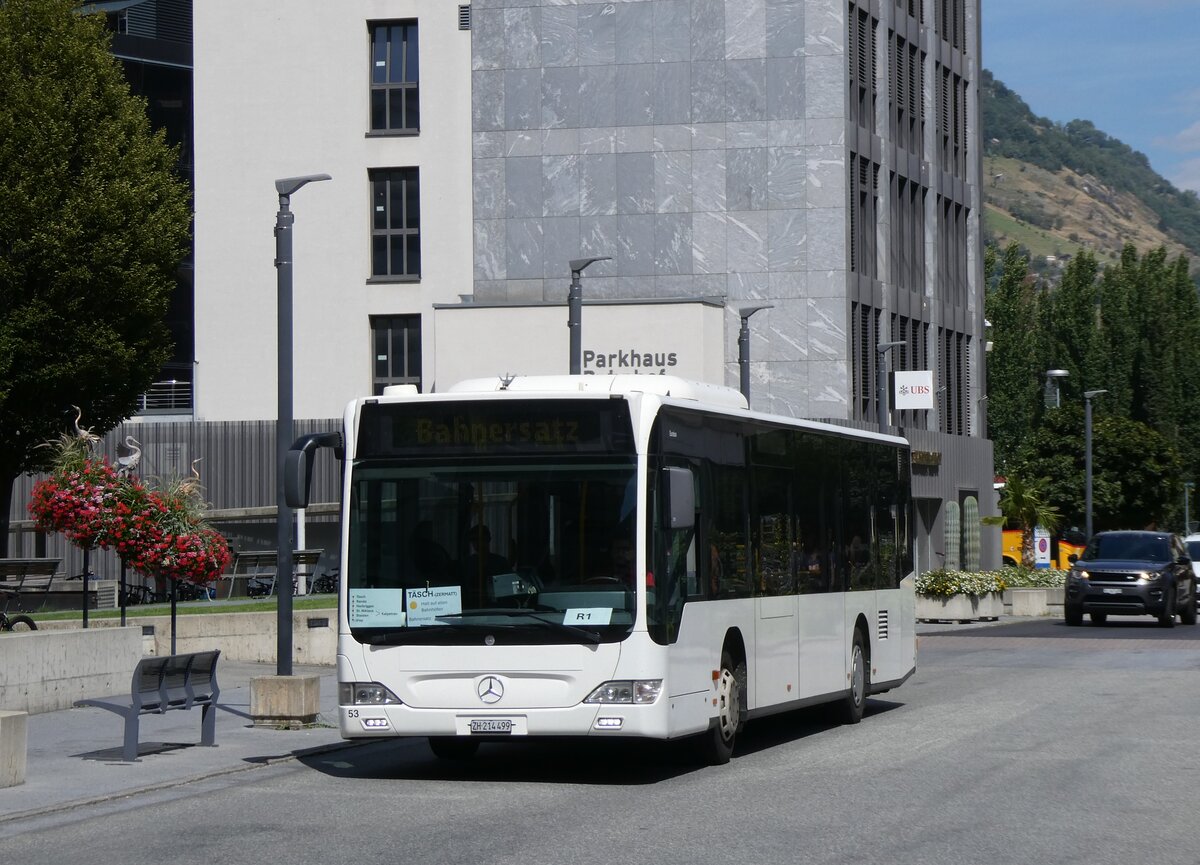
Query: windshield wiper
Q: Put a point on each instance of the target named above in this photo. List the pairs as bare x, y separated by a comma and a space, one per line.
399, 638
574, 631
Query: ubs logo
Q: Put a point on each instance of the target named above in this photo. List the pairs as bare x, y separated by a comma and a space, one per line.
489, 689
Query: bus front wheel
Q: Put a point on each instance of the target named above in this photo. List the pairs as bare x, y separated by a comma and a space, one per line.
855, 700
716, 746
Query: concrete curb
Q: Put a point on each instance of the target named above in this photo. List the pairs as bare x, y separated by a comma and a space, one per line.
178, 782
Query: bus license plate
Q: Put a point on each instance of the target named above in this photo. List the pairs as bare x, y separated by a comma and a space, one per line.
492, 725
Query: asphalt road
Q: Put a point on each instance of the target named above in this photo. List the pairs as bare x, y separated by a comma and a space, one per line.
1018, 743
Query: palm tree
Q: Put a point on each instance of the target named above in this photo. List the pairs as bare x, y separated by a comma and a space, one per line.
1022, 504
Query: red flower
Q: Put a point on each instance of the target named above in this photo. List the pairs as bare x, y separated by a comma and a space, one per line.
160, 534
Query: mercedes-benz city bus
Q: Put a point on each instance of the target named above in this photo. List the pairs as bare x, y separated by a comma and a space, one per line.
611, 556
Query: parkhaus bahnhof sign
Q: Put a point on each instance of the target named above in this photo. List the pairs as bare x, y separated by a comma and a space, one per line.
682, 337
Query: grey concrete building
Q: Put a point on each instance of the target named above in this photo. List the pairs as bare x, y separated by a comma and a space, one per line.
820, 156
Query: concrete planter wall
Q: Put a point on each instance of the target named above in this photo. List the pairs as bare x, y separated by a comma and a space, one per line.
960, 608
239, 636
1016, 600
47, 670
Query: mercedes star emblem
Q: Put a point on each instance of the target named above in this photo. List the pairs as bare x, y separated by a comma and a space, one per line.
490, 689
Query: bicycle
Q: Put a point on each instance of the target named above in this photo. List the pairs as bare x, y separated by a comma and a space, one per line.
15, 622
326, 583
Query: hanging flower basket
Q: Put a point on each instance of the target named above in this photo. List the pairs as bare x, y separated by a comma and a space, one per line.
159, 533
75, 502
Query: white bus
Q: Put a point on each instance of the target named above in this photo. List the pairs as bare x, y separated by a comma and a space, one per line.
612, 556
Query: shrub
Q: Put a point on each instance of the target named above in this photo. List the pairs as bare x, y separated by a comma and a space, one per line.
1034, 578
943, 582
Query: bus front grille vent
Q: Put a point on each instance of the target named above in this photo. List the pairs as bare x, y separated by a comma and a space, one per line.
883, 624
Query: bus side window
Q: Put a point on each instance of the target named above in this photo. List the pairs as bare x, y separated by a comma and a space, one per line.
728, 574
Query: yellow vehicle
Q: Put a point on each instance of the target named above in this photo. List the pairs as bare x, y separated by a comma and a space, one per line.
1062, 548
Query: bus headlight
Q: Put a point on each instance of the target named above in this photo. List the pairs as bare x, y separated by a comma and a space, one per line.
627, 691
365, 694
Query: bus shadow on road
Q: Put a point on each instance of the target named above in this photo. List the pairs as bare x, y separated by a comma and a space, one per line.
542, 760
786, 727
619, 762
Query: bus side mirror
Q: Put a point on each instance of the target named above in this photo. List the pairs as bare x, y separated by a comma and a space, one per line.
682, 495
298, 463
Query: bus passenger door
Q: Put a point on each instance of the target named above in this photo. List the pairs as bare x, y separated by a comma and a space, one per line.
773, 563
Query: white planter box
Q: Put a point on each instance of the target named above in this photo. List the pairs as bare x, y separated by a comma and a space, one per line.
960, 608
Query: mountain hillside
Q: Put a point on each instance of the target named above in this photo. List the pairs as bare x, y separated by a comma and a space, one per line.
1056, 189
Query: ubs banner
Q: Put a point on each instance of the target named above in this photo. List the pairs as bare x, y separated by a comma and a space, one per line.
681, 338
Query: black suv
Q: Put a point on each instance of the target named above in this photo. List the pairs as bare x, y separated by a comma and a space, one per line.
1132, 574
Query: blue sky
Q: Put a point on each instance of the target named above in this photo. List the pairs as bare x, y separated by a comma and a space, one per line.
1132, 69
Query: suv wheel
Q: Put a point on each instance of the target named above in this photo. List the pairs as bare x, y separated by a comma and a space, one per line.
1073, 615
1167, 617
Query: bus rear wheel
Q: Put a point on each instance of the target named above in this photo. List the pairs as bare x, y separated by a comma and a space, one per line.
453, 747
716, 745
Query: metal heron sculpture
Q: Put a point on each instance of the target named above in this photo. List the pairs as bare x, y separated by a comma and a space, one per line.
129, 455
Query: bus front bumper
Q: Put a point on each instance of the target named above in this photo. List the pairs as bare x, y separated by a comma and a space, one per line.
586, 719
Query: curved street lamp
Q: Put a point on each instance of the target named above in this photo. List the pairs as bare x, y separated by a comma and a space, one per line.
881, 393
1052, 377
284, 219
744, 346
575, 311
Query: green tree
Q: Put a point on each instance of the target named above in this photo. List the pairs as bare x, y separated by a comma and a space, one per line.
1135, 470
93, 224
1074, 327
1012, 373
1024, 506
1119, 332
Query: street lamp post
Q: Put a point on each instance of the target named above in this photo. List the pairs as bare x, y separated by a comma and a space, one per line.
1188, 486
1087, 439
283, 431
744, 346
575, 311
881, 398
1052, 377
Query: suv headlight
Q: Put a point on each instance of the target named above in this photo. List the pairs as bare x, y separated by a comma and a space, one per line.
1151, 576
365, 694
626, 691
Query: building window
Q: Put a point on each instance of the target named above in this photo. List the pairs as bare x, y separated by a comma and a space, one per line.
860, 56
395, 224
864, 204
395, 351
395, 95
864, 337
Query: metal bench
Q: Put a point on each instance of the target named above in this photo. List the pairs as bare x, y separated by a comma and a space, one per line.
27, 575
257, 569
166, 683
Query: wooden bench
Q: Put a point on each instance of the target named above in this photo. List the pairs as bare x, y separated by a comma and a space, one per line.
165, 683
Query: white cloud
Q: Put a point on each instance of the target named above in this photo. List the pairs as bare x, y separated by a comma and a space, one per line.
1187, 175
1184, 141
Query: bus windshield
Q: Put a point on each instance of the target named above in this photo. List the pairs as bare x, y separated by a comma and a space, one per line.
515, 550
